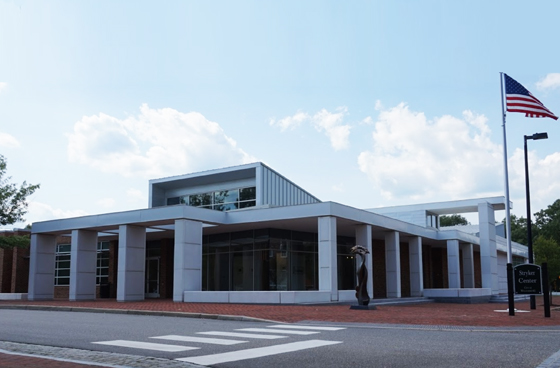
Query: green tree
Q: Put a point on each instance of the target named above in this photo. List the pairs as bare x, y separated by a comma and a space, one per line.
547, 250
452, 220
13, 199
547, 222
519, 229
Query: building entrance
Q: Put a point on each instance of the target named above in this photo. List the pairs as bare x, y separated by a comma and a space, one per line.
152, 277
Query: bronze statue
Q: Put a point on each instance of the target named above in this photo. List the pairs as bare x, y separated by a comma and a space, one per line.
361, 289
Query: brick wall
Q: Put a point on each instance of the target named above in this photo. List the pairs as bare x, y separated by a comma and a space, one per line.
14, 266
20, 271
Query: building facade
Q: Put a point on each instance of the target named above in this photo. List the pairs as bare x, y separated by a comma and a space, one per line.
248, 234
14, 265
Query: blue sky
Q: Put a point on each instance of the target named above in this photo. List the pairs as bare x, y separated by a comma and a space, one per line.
366, 103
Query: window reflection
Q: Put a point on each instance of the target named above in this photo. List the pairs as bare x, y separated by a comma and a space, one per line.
223, 200
260, 260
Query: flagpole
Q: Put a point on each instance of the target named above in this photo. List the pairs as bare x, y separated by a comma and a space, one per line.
508, 223
509, 269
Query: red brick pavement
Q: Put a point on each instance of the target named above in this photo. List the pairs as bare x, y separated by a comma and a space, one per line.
441, 314
18, 361
418, 314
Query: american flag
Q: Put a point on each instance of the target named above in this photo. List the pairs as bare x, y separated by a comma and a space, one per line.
519, 99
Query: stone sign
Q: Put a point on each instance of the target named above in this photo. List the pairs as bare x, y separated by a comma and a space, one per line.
527, 279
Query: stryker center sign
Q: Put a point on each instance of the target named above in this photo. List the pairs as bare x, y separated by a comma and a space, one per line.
527, 279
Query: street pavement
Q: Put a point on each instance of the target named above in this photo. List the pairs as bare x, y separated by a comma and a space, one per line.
437, 315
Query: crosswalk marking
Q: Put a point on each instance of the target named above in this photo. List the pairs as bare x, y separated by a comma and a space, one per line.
204, 340
278, 331
146, 345
242, 335
257, 352
303, 327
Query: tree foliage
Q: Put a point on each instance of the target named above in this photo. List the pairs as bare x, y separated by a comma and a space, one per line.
519, 229
14, 241
452, 220
13, 199
547, 250
547, 222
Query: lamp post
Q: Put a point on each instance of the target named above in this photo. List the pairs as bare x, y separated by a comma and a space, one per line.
534, 137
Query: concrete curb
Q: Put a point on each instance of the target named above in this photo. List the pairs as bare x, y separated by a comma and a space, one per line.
139, 312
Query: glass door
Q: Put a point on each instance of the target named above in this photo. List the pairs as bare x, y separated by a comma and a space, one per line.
152, 277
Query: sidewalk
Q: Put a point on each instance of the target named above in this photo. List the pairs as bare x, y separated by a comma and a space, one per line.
426, 314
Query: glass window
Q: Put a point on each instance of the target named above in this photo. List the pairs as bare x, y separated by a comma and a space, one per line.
222, 200
431, 220
226, 196
247, 194
200, 200
173, 201
264, 259
346, 264
247, 204
62, 264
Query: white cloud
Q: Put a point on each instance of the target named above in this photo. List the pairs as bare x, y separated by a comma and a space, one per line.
544, 179
8, 141
414, 158
367, 121
42, 212
331, 124
3, 86
290, 122
153, 144
551, 81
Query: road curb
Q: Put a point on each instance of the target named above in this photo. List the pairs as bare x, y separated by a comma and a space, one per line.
139, 312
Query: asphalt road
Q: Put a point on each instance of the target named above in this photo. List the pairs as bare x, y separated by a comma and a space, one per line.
352, 345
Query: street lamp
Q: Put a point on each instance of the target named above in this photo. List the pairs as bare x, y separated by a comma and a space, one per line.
534, 137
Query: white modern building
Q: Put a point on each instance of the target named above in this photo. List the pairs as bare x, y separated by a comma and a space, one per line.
246, 234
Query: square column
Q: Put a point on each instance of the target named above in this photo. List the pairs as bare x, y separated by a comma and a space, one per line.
328, 271
83, 265
187, 273
416, 270
488, 252
363, 238
468, 265
453, 264
132, 263
393, 264
41, 267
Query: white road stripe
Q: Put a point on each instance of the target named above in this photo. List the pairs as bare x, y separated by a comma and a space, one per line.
146, 345
244, 335
303, 327
257, 352
277, 331
205, 340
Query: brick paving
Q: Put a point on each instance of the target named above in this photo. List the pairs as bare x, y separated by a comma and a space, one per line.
428, 314
18, 361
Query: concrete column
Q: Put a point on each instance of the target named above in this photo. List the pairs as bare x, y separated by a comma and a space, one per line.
488, 252
132, 263
363, 238
187, 275
41, 267
416, 270
453, 264
83, 264
468, 265
328, 271
393, 264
